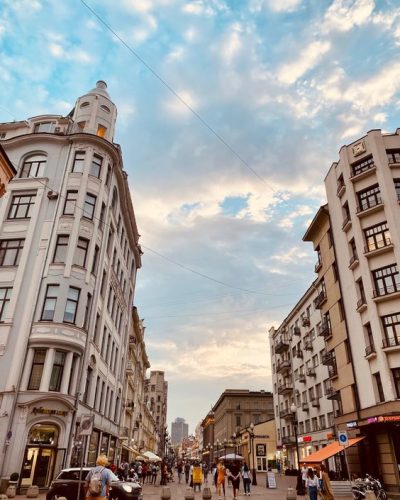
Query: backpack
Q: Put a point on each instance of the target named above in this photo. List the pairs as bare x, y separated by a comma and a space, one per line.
95, 483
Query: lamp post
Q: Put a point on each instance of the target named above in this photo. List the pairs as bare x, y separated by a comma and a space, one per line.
225, 445
234, 444
299, 485
253, 474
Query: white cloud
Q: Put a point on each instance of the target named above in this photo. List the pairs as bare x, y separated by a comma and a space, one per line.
343, 15
232, 43
283, 5
292, 256
308, 58
56, 50
176, 107
198, 7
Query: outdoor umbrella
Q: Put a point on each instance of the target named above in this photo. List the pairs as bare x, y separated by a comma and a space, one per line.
232, 456
152, 456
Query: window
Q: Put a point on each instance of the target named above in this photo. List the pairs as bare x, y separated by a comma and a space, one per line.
353, 251
71, 305
393, 156
50, 302
368, 198
89, 375
314, 421
108, 178
362, 165
34, 166
340, 183
42, 127
81, 252
391, 327
89, 206
70, 202
318, 390
387, 280
346, 213
60, 253
379, 387
377, 237
322, 422
396, 380
95, 262
103, 283
57, 371
95, 167
87, 311
101, 130
308, 427
21, 206
102, 215
238, 420
397, 188
10, 252
37, 369
360, 293
5, 294
79, 162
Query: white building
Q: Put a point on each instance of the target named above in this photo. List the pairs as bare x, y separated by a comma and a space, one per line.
68, 259
299, 376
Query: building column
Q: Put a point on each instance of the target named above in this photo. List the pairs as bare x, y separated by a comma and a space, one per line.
66, 373
27, 369
47, 369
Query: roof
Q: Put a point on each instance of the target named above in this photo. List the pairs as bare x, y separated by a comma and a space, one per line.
329, 450
322, 211
7, 160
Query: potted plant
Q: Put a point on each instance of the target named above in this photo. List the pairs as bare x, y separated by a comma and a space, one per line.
14, 478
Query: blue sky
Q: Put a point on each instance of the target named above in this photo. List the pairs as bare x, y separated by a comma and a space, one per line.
285, 83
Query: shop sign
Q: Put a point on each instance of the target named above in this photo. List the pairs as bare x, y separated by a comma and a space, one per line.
261, 450
351, 425
304, 439
47, 411
388, 418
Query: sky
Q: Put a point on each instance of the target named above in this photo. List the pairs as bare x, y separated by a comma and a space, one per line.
224, 191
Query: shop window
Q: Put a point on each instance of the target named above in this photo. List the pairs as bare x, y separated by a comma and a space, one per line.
43, 434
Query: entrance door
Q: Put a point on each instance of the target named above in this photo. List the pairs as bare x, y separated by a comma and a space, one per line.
38, 466
29, 466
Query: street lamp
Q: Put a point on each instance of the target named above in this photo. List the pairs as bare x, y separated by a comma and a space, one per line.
225, 444
251, 434
299, 485
234, 443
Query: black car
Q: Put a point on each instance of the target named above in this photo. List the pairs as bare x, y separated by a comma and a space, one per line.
67, 482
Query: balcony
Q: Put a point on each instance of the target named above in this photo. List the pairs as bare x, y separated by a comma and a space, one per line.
318, 266
311, 372
305, 321
328, 358
286, 414
308, 346
324, 330
331, 393
370, 351
354, 261
391, 342
341, 188
321, 298
361, 303
296, 330
302, 378
373, 205
285, 388
376, 248
288, 440
283, 366
315, 402
281, 345
367, 169
332, 370
304, 406
387, 292
346, 223
299, 354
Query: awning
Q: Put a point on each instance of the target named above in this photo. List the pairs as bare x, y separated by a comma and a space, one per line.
328, 451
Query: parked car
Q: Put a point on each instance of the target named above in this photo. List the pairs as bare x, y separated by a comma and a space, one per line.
67, 482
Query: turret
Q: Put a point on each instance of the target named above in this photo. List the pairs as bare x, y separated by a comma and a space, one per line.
95, 113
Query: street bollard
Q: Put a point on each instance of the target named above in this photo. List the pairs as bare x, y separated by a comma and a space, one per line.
207, 493
370, 495
165, 493
3, 497
11, 491
189, 494
33, 492
291, 494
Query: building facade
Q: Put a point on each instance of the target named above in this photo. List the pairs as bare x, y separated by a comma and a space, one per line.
68, 267
7, 169
156, 396
179, 430
363, 192
302, 378
258, 446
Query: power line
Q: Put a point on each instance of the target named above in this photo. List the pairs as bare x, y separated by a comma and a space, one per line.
178, 96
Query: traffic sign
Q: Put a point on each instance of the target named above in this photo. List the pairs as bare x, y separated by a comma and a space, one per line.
86, 425
343, 438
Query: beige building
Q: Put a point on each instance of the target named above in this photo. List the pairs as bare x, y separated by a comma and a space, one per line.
258, 446
235, 410
156, 396
7, 169
363, 192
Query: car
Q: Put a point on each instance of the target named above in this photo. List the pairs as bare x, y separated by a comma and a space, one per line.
66, 485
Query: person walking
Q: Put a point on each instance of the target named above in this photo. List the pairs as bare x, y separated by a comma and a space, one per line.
246, 476
221, 478
326, 491
98, 480
304, 472
180, 470
312, 484
187, 472
235, 479
214, 475
154, 472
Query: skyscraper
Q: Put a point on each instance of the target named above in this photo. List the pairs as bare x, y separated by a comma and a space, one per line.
179, 430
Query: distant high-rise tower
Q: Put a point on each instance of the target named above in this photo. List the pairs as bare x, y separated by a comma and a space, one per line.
179, 430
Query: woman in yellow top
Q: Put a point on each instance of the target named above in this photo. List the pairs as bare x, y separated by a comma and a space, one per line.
220, 478
325, 485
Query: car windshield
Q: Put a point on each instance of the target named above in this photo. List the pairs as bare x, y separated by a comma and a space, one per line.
72, 474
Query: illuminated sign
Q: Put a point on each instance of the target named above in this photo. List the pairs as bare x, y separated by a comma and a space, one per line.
304, 439
350, 425
381, 419
46, 411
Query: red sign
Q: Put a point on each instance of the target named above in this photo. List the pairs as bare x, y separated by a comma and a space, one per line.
388, 418
304, 439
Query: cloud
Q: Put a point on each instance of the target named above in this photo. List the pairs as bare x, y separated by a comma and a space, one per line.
284, 5
178, 108
308, 58
231, 44
343, 15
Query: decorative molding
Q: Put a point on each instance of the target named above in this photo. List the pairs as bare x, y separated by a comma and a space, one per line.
359, 148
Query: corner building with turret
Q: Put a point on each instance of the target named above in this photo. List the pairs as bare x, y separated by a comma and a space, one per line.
69, 254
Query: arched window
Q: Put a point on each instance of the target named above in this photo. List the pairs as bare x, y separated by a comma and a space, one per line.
34, 166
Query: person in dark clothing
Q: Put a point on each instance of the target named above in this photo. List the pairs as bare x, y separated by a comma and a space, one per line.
187, 472
235, 478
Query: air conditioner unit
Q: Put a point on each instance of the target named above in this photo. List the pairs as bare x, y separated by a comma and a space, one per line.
59, 130
52, 195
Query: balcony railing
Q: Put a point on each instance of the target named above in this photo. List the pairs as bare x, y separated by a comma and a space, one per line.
321, 298
331, 393
308, 345
328, 358
288, 440
318, 266
390, 342
283, 366
362, 301
387, 290
311, 372
299, 354
324, 330
286, 414
353, 259
346, 221
370, 349
340, 188
281, 345
304, 406
364, 167
332, 370
302, 378
315, 402
296, 330
305, 321
285, 388
369, 203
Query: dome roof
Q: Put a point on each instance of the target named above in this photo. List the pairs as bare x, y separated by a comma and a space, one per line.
100, 89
